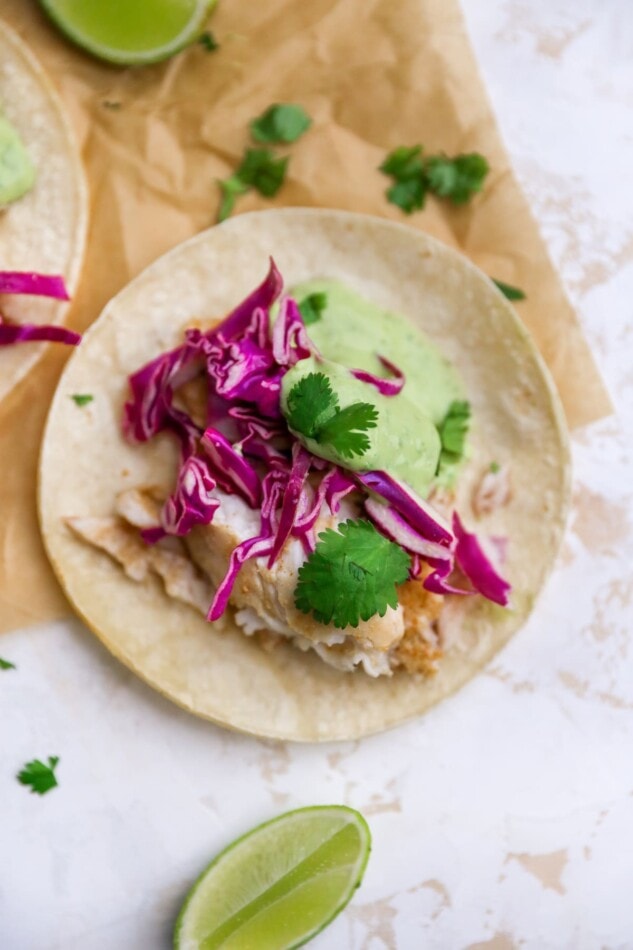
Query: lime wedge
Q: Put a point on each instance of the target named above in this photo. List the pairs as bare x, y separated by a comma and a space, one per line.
279, 885
129, 32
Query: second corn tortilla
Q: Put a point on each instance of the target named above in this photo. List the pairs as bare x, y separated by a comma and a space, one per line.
222, 675
45, 230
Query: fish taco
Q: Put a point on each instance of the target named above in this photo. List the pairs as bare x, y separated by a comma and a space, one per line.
42, 212
321, 479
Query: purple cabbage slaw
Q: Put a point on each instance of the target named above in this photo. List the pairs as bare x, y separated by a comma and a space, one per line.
34, 285
245, 448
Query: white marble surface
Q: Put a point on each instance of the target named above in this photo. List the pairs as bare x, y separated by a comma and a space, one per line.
502, 819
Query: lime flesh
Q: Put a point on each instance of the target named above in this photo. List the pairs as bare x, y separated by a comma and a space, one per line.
129, 32
279, 885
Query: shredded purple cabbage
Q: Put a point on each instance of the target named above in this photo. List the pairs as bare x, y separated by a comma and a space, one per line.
32, 333
245, 448
386, 387
477, 567
35, 285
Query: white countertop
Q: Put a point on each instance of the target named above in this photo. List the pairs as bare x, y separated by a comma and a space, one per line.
502, 819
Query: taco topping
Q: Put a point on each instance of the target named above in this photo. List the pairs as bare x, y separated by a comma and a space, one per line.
34, 285
289, 433
17, 172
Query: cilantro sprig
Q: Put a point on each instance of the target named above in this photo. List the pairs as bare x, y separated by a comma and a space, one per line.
261, 169
314, 411
281, 122
351, 575
39, 776
457, 179
312, 306
508, 291
453, 430
82, 399
6, 664
208, 41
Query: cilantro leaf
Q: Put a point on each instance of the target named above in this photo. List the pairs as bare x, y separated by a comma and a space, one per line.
508, 291
345, 431
494, 467
405, 166
5, 665
311, 402
454, 428
39, 776
351, 575
409, 195
231, 189
281, 122
262, 171
312, 306
208, 41
404, 162
82, 399
456, 178
313, 411
259, 169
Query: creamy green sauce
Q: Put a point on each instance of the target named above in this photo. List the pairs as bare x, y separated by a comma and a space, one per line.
351, 333
17, 172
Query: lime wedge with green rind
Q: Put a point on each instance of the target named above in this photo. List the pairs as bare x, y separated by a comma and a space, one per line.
130, 32
279, 885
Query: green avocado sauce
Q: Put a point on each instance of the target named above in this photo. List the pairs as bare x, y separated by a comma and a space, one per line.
17, 172
350, 334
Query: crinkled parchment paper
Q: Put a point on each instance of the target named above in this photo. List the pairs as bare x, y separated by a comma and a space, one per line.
373, 74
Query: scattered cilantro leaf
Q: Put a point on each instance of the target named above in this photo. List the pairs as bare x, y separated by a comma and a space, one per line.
260, 170
312, 306
208, 41
39, 776
345, 431
82, 399
6, 665
404, 162
231, 189
495, 467
313, 411
409, 195
456, 178
281, 122
454, 428
351, 575
311, 402
508, 291
405, 165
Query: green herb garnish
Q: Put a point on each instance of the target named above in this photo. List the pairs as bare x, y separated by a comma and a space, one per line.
280, 123
495, 467
208, 41
259, 170
405, 165
312, 306
455, 178
351, 575
314, 412
39, 776
512, 293
454, 428
5, 665
81, 399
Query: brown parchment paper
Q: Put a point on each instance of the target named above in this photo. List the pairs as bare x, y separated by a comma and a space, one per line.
373, 74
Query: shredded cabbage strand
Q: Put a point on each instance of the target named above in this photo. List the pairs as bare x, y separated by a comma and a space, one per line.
34, 285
